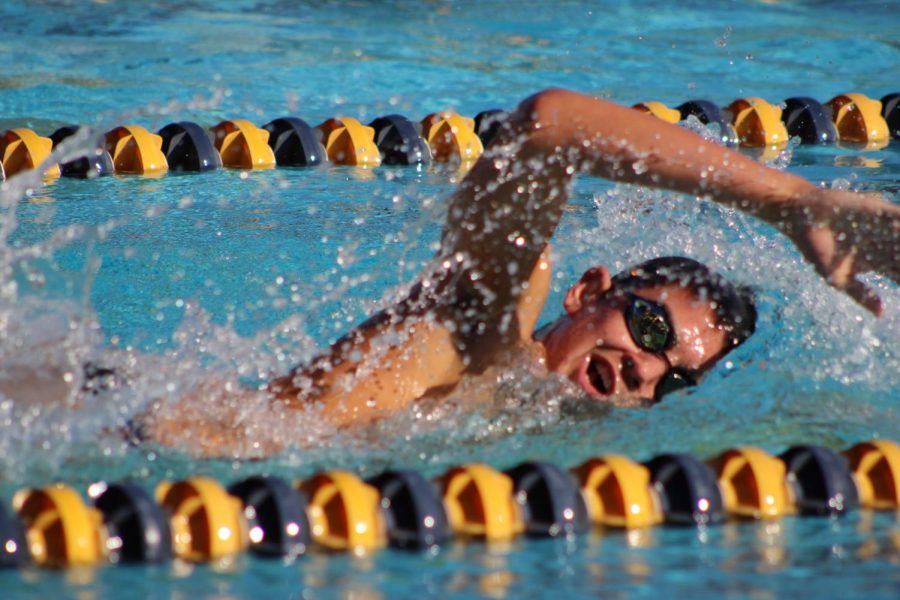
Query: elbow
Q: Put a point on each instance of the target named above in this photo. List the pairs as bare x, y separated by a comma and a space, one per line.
568, 114
557, 106
546, 107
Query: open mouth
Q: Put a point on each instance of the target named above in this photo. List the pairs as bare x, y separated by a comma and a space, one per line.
597, 377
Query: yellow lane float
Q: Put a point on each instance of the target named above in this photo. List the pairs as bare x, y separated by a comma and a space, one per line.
858, 119
349, 142
618, 493
479, 503
757, 123
22, 149
242, 145
752, 483
60, 529
876, 472
659, 110
136, 150
344, 512
207, 523
451, 137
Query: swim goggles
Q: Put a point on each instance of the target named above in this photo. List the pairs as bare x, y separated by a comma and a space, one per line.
651, 329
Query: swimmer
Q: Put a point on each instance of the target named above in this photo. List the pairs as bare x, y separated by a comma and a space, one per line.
626, 338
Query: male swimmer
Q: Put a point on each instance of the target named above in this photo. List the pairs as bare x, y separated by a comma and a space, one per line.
635, 336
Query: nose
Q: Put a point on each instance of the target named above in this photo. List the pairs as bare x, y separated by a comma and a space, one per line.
641, 372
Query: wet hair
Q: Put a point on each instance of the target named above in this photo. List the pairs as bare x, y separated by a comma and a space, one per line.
733, 305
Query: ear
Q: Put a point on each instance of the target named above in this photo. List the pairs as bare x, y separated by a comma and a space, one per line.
594, 282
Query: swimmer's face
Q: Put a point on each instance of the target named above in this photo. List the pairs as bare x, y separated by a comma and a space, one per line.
604, 342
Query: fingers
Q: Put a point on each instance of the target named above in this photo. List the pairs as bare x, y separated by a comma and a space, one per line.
843, 276
853, 233
842, 269
864, 295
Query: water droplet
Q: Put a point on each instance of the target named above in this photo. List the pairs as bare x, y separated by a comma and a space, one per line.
722, 41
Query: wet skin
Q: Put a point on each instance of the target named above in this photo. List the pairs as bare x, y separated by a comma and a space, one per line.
592, 346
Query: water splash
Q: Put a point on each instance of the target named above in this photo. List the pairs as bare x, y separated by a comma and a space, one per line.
813, 346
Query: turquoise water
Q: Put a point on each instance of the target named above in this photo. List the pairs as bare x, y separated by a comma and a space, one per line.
228, 274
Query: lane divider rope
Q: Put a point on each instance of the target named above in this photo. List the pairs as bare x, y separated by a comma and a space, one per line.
197, 519
749, 122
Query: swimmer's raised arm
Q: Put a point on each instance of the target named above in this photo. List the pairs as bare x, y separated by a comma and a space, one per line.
508, 206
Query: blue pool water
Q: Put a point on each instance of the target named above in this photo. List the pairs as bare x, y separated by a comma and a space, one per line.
230, 274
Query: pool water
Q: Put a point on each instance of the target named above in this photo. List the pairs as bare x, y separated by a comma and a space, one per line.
240, 275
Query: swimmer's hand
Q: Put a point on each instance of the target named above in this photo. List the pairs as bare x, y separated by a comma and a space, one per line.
844, 234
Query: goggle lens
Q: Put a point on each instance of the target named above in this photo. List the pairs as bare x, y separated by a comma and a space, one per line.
673, 381
651, 329
649, 325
